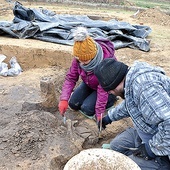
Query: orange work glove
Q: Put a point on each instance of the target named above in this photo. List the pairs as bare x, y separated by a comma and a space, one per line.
99, 118
62, 106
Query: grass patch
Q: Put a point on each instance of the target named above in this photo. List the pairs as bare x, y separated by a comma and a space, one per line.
152, 3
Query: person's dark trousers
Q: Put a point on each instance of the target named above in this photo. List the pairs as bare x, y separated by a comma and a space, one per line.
130, 139
84, 99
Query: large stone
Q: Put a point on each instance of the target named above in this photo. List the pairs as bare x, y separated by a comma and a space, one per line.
100, 159
48, 92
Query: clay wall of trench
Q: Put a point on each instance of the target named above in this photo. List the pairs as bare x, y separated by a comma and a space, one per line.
36, 54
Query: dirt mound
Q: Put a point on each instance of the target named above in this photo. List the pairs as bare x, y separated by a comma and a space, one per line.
154, 16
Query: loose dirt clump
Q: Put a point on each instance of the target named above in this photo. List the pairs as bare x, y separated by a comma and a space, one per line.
154, 16
28, 139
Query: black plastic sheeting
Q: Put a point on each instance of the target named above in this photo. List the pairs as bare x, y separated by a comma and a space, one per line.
45, 25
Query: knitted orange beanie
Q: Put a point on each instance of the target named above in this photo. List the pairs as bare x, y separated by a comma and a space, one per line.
84, 48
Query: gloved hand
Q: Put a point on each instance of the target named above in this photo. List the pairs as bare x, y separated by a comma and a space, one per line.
143, 152
105, 121
62, 106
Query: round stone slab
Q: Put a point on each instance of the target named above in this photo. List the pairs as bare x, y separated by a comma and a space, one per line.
100, 159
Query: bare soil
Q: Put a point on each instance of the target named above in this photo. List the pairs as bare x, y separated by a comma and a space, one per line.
34, 137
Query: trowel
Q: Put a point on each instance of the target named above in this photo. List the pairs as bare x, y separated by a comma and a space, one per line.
100, 127
64, 118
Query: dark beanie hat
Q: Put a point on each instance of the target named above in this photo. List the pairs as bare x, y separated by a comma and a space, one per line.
110, 73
